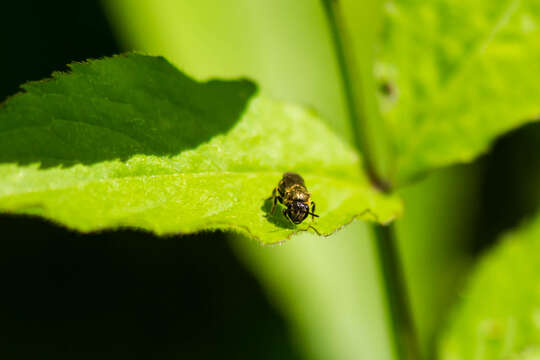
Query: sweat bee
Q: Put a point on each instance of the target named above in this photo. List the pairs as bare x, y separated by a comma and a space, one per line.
292, 192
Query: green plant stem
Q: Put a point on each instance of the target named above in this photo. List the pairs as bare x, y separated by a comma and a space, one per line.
353, 97
401, 323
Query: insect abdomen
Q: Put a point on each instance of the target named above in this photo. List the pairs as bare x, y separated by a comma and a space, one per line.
290, 179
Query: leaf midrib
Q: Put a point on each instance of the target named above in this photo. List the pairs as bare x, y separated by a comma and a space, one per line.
209, 173
488, 38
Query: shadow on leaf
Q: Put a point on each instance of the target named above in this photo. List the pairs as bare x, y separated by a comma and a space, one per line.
277, 218
115, 108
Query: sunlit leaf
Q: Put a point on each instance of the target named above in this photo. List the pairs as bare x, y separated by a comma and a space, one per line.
131, 141
453, 75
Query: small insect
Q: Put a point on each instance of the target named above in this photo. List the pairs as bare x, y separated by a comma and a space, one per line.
291, 192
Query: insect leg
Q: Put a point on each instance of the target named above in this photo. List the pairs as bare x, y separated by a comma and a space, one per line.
287, 216
276, 199
313, 210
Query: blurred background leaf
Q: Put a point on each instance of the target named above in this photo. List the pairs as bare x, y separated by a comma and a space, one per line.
500, 311
453, 76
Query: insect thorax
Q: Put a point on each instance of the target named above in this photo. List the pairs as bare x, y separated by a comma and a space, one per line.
297, 192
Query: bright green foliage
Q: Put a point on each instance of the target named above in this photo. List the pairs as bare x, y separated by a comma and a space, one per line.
453, 75
500, 313
154, 173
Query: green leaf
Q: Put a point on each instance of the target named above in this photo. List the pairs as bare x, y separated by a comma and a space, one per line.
454, 75
500, 313
131, 141
114, 109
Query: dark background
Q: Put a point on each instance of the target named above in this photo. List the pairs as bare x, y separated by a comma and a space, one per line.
122, 294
